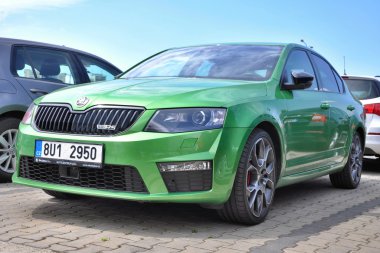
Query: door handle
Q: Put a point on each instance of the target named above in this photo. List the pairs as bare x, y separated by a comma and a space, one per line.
325, 106
38, 91
350, 107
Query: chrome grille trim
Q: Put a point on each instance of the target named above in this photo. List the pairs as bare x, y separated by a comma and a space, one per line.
61, 118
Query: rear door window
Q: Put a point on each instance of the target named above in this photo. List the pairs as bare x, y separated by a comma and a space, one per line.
45, 64
339, 81
97, 70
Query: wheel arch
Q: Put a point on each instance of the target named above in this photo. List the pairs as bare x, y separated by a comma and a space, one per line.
274, 133
362, 135
13, 114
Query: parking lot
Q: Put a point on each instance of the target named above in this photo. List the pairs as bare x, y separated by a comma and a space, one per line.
308, 217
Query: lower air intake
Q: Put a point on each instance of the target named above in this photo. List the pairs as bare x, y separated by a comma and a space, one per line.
110, 177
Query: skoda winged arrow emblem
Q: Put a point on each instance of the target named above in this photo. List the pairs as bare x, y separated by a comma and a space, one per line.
82, 101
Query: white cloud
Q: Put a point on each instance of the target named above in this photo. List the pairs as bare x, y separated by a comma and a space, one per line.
8, 7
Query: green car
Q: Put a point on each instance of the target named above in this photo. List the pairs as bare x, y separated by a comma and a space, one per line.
219, 125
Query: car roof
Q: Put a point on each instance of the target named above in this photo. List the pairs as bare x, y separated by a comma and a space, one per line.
369, 78
246, 44
11, 41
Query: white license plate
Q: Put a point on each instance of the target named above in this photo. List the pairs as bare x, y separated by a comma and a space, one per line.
70, 154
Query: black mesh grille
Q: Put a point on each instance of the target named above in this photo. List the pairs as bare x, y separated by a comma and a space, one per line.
95, 121
110, 177
188, 181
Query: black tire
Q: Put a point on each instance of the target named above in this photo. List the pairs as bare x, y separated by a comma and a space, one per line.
349, 177
254, 184
62, 195
8, 126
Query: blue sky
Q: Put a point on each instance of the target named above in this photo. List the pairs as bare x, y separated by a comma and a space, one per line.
125, 32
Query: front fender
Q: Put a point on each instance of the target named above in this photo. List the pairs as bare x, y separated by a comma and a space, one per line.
264, 114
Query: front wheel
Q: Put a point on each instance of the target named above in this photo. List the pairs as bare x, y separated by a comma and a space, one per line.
349, 177
8, 134
255, 181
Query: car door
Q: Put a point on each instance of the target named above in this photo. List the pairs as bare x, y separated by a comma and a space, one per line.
305, 120
42, 70
340, 109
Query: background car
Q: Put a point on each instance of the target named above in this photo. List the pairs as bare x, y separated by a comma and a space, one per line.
219, 125
31, 69
367, 90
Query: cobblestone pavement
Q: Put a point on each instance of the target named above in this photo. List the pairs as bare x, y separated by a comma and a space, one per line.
307, 217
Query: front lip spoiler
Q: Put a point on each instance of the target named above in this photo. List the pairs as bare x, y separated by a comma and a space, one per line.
200, 197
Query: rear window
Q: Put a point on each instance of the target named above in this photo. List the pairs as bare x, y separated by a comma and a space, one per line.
363, 89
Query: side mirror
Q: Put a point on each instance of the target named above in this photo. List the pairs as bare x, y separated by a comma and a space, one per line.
301, 80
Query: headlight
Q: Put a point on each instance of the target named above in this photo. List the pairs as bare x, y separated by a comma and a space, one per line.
27, 119
186, 120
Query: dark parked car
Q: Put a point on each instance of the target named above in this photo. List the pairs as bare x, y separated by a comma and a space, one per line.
31, 69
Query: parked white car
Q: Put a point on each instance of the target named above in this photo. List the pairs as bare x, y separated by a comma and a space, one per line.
367, 90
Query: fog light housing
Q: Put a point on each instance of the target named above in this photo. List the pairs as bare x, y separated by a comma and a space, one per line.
185, 166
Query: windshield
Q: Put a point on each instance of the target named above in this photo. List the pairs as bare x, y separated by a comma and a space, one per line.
241, 62
363, 89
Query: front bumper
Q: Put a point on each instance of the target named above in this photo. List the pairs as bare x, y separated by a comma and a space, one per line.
143, 150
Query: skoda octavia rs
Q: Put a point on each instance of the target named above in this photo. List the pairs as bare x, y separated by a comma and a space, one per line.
219, 125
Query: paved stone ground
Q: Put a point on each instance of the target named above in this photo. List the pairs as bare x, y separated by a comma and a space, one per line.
307, 217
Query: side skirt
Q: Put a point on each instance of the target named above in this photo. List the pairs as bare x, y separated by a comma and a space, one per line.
310, 174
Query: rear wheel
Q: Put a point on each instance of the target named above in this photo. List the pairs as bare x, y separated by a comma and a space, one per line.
62, 195
255, 181
349, 177
8, 134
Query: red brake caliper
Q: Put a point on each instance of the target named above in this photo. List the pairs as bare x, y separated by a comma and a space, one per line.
249, 175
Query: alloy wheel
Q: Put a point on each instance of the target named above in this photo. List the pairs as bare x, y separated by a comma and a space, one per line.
356, 161
260, 176
8, 151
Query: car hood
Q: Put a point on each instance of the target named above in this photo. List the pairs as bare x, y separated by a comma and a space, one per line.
153, 93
